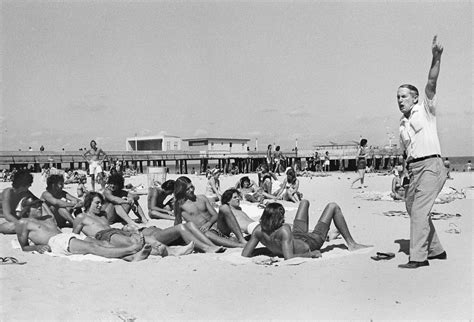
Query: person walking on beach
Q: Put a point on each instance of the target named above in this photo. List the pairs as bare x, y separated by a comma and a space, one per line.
419, 140
93, 156
269, 156
278, 159
361, 162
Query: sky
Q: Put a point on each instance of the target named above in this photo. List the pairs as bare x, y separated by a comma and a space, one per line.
276, 71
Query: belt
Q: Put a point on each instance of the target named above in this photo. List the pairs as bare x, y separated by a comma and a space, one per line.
424, 158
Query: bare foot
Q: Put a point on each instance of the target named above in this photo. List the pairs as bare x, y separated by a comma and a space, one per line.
141, 254
158, 249
356, 246
181, 250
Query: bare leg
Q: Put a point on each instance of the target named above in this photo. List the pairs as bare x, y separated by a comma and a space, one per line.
334, 212
180, 250
154, 214
226, 222
122, 211
138, 211
222, 241
190, 233
77, 246
93, 182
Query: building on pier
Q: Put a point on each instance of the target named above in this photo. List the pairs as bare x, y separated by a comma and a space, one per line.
154, 143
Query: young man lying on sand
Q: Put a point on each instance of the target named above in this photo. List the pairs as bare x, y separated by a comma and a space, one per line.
198, 210
118, 202
93, 225
61, 203
47, 237
281, 240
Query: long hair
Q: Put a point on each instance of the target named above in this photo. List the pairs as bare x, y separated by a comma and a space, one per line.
23, 178
227, 195
116, 179
291, 173
52, 180
89, 197
168, 185
243, 180
180, 186
272, 218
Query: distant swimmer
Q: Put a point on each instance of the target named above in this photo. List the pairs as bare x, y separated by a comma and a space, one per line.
96, 156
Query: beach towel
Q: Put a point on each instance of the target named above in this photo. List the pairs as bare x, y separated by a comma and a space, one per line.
234, 257
76, 258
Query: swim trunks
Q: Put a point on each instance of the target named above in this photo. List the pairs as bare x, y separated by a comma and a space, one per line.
314, 239
251, 227
106, 234
94, 168
59, 244
361, 164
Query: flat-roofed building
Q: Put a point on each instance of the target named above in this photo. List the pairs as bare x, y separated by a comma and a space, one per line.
216, 145
154, 143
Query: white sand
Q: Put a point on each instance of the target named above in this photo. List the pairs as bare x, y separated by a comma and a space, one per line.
200, 286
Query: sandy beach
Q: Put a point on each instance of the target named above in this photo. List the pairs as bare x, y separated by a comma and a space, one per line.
340, 285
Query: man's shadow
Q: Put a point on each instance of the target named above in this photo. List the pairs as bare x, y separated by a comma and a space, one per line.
404, 245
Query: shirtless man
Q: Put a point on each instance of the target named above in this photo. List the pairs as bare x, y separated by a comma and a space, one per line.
11, 198
118, 202
160, 201
198, 210
47, 237
231, 218
92, 224
284, 241
95, 156
61, 203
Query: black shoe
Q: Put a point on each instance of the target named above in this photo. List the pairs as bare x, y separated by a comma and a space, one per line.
443, 255
413, 264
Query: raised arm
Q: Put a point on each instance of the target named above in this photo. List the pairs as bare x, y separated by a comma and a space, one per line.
437, 50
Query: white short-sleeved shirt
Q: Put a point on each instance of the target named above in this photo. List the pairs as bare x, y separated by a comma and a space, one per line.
418, 132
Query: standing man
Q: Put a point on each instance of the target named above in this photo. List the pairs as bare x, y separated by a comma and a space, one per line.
93, 156
269, 157
419, 139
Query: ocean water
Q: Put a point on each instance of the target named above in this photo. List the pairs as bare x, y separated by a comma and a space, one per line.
459, 163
